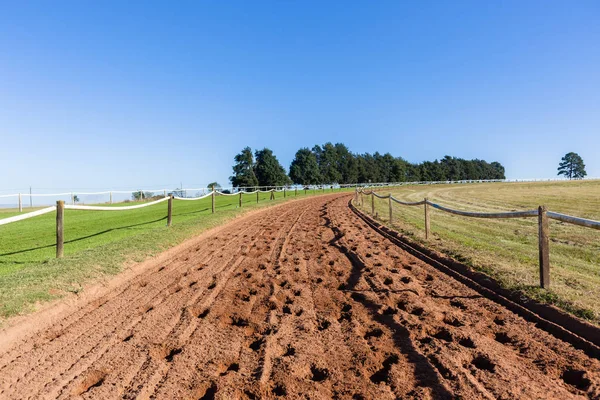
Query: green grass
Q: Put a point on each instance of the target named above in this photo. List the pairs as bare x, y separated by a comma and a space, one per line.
100, 243
507, 249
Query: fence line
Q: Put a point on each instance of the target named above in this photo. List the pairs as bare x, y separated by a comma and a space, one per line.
280, 188
542, 213
61, 206
101, 208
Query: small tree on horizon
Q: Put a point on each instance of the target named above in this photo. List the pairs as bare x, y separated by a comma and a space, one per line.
572, 166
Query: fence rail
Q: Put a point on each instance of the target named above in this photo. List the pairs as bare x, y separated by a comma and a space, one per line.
542, 213
61, 206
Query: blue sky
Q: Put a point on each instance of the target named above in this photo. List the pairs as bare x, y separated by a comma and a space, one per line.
114, 95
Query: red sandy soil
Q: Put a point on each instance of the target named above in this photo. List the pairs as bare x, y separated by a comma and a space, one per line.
301, 301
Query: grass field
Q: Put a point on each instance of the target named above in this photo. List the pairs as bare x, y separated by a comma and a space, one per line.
98, 243
508, 249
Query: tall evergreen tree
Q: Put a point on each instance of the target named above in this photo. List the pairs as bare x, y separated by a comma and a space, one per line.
304, 169
268, 170
346, 164
572, 166
328, 164
243, 170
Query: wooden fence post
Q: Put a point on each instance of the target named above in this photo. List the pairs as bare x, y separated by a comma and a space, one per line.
305, 191
20, 203
60, 214
170, 211
427, 225
543, 239
272, 194
241, 199
295, 191
390, 204
284, 193
72, 199
373, 203
213, 200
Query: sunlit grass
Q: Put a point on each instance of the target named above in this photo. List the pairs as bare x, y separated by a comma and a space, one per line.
98, 243
508, 248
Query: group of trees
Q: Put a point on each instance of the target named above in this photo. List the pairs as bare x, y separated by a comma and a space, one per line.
335, 163
259, 169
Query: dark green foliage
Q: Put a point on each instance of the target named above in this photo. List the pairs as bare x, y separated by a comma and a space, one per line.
572, 166
304, 170
243, 170
268, 170
330, 164
347, 164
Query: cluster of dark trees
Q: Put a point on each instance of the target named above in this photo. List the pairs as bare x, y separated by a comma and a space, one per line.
259, 169
335, 163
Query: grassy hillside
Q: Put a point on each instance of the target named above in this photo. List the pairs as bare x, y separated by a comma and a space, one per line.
99, 243
507, 249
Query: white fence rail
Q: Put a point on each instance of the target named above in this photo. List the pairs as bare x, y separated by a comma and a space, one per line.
61, 206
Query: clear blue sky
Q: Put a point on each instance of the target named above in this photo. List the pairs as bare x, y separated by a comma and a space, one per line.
113, 95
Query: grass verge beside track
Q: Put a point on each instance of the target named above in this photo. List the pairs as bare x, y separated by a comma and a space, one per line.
507, 249
100, 243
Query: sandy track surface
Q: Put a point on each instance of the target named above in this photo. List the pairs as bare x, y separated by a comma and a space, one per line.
300, 301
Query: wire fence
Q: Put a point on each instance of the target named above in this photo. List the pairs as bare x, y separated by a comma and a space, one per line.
542, 213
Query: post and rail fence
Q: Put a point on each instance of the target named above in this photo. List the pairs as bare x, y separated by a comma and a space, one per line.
542, 214
141, 194
61, 206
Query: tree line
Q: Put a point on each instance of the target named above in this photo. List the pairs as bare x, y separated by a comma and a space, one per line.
335, 163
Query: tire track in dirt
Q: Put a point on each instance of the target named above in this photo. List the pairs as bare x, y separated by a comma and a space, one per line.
301, 300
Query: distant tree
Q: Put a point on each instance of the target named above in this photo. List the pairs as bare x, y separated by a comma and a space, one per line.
572, 166
243, 170
214, 185
139, 195
178, 193
304, 169
268, 170
75, 198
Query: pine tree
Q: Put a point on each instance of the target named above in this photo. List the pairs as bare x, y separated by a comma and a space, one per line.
304, 169
572, 166
243, 170
268, 170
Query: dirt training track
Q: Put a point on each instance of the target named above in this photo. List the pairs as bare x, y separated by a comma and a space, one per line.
302, 300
